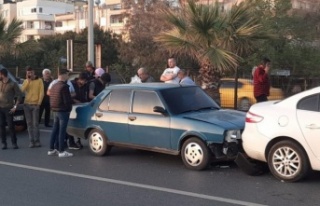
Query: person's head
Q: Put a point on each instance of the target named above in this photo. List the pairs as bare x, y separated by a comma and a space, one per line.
82, 78
182, 73
3, 74
30, 72
89, 66
63, 75
106, 78
98, 72
143, 74
266, 62
171, 62
46, 74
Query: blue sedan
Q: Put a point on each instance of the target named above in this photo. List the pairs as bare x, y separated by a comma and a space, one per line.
166, 118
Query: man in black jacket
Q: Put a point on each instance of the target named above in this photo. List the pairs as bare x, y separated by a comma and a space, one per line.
61, 105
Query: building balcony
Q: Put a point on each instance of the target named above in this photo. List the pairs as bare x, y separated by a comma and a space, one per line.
38, 32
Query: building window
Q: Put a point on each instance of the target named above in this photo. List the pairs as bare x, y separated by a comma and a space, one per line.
30, 25
58, 24
116, 19
34, 10
48, 25
40, 9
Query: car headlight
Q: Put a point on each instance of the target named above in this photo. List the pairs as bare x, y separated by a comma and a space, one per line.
232, 135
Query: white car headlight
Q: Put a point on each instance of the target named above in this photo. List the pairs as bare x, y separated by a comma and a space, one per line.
232, 135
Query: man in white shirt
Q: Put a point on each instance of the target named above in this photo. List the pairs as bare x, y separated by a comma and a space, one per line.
170, 74
184, 78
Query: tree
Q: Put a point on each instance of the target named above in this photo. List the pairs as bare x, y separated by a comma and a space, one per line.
9, 33
217, 40
138, 49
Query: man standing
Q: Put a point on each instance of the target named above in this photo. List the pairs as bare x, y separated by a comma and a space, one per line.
34, 92
170, 74
8, 91
144, 76
261, 84
45, 105
184, 78
91, 70
81, 87
61, 105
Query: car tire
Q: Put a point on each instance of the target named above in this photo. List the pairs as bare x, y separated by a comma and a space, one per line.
244, 104
195, 154
288, 162
98, 143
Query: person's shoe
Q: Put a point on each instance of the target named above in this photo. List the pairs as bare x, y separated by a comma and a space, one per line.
53, 152
73, 145
15, 146
37, 144
65, 154
79, 144
31, 145
4, 146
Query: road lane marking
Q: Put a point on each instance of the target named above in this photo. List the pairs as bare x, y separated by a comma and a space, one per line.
132, 184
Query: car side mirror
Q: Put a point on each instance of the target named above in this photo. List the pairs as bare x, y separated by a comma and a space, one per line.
159, 110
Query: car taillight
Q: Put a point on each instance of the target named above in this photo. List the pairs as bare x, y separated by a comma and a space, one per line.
253, 118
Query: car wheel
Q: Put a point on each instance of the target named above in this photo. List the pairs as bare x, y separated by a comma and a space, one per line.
98, 143
195, 154
244, 104
288, 161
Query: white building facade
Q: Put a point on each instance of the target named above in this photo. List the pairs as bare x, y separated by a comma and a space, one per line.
38, 17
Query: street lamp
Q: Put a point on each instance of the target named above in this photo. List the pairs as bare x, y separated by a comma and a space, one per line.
90, 32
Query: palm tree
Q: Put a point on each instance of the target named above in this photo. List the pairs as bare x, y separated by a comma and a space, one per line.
216, 39
9, 33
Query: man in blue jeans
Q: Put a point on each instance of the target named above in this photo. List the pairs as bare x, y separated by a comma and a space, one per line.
61, 105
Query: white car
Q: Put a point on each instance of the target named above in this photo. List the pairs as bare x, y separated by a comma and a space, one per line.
285, 134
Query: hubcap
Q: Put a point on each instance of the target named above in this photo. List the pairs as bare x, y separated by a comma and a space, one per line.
193, 154
96, 142
286, 161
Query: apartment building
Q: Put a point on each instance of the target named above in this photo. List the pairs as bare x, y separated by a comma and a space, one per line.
109, 16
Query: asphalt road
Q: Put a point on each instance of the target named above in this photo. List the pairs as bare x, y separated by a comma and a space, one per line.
130, 177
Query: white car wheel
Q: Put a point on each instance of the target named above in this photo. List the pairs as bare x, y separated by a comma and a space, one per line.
288, 161
98, 143
195, 154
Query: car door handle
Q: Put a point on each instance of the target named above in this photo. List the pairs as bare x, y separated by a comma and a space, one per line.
99, 114
132, 118
312, 126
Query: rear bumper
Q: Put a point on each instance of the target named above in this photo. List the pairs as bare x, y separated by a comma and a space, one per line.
76, 132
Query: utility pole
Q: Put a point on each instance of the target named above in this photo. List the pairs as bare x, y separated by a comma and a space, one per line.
90, 32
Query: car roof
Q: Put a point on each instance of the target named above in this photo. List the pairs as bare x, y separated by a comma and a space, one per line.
148, 86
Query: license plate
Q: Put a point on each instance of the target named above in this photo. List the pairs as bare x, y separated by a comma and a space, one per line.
18, 118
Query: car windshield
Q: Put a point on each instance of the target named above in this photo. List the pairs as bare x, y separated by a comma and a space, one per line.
187, 99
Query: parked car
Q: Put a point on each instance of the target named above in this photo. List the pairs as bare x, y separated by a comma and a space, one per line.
18, 118
166, 118
285, 134
245, 93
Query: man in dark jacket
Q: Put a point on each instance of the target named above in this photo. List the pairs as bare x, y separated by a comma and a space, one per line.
61, 105
99, 83
8, 91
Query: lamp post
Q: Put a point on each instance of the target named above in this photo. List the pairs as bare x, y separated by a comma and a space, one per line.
90, 32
